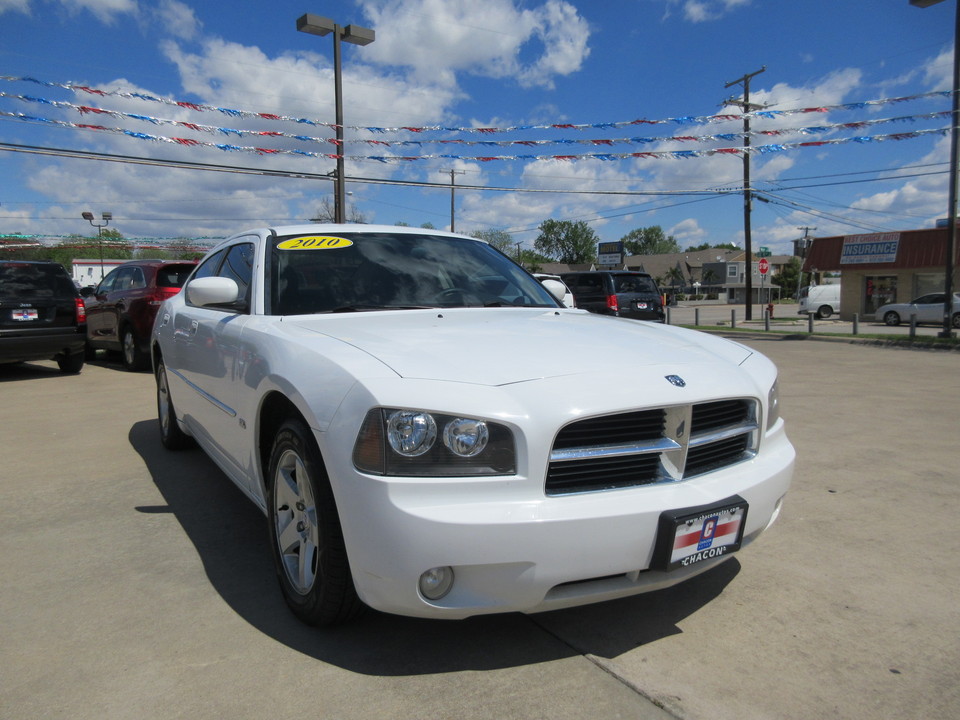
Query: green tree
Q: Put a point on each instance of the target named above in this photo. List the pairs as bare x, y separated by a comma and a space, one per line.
502, 241
788, 276
567, 242
708, 246
649, 241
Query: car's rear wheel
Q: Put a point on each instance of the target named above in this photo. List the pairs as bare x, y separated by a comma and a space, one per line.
172, 437
134, 358
955, 320
305, 535
71, 363
891, 318
824, 311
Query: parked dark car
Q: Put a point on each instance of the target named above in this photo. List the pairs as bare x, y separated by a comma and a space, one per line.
121, 309
623, 293
42, 316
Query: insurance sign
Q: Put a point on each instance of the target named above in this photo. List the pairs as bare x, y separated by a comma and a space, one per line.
875, 248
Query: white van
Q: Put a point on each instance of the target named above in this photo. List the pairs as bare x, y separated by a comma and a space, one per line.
821, 300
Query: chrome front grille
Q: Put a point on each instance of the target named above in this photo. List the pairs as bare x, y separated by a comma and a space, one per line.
652, 446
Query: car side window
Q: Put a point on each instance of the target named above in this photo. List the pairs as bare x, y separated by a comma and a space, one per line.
124, 279
209, 267
238, 265
137, 280
106, 285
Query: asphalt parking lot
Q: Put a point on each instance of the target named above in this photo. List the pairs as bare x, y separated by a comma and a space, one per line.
137, 583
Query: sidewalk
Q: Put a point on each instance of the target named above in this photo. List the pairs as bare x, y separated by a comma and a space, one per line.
785, 319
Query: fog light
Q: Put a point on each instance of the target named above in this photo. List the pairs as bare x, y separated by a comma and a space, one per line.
436, 582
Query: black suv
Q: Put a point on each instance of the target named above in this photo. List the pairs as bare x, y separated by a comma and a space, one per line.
623, 293
42, 316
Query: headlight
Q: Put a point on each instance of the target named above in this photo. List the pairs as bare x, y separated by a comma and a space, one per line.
411, 434
403, 442
773, 404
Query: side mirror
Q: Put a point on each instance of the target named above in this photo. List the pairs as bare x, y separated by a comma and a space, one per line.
212, 291
556, 288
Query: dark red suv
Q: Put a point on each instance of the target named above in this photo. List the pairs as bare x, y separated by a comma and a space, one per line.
121, 309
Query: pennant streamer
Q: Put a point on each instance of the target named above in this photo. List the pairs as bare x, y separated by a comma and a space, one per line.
494, 145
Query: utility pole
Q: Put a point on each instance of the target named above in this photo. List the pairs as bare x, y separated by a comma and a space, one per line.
453, 227
804, 245
746, 108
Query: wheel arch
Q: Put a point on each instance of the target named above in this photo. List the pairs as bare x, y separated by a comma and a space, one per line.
275, 409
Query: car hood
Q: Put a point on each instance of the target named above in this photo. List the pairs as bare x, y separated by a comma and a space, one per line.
503, 346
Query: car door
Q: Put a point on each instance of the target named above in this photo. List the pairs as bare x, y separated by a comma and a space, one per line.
929, 308
112, 302
94, 305
207, 357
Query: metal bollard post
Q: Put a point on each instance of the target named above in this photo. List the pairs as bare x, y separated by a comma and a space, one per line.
668, 314
856, 323
913, 326
696, 316
766, 320
733, 319
810, 323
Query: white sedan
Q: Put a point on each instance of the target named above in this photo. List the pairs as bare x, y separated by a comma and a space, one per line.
429, 432
927, 309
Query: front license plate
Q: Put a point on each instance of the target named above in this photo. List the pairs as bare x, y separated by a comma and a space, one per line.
693, 535
24, 314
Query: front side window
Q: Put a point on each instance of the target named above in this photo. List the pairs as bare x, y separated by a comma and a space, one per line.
376, 271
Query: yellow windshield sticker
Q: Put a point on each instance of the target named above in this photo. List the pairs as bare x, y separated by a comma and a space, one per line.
315, 242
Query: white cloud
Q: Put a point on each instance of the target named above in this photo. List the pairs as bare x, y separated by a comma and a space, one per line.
688, 233
22, 6
178, 19
438, 39
697, 11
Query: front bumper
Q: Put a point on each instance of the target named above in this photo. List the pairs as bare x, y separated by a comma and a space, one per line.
516, 551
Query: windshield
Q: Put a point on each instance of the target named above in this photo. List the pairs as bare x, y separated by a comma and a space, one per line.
356, 271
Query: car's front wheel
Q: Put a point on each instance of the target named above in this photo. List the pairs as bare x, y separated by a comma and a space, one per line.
305, 536
172, 437
891, 318
955, 320
824, 311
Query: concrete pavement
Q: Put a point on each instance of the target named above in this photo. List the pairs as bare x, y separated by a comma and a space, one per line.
138, 583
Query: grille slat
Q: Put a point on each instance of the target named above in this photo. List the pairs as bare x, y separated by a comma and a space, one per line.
725, 428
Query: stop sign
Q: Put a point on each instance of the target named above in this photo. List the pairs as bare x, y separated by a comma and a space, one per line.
763, 266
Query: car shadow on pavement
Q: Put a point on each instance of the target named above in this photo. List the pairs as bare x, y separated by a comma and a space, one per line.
230, 536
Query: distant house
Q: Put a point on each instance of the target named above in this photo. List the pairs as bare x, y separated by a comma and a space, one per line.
90, 272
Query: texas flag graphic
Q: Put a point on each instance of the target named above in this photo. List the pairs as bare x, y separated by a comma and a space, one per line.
706, 537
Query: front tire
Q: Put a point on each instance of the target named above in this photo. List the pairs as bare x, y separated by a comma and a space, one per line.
955, 320
891, 318
824, 311
172, 437
305, 535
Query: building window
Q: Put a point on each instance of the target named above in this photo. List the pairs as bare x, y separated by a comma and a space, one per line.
879, 290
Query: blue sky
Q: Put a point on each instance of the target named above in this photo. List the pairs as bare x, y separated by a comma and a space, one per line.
462, 65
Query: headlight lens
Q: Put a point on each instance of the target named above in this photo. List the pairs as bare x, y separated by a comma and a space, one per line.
465, 437
773, 404
403, 442
410, 433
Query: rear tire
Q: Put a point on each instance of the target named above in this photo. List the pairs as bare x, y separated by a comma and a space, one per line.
824, 311
955, 320
72, 363
306, 539
172, 437
891, 318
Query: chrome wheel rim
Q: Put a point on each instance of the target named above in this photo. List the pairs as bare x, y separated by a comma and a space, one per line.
129, 348
163, 401
296, 522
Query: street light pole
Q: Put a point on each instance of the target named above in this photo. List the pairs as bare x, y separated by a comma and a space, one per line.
316, 25
107, 217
